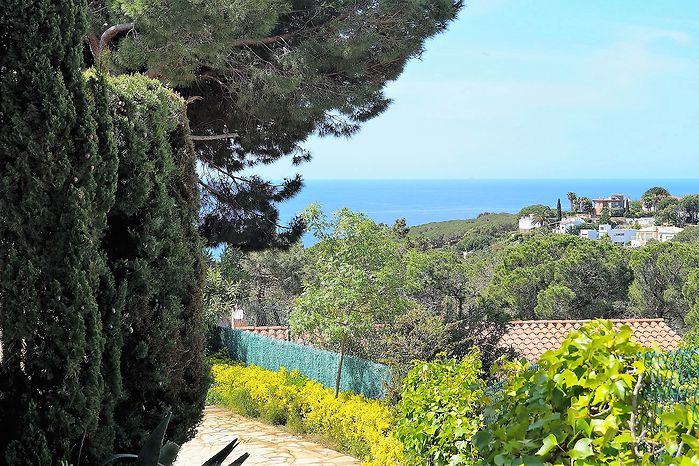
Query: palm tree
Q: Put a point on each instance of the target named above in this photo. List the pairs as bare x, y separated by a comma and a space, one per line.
572, 197
541, 219
585, 205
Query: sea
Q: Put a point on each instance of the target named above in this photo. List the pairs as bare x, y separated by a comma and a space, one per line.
425, 201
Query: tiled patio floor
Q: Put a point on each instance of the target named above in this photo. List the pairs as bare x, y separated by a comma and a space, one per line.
266, 444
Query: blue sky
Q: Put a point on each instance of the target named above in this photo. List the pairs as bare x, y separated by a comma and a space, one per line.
537, 89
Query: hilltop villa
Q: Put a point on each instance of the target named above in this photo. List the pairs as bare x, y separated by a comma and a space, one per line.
611, 203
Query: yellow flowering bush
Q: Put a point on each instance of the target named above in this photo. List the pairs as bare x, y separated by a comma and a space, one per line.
360, 427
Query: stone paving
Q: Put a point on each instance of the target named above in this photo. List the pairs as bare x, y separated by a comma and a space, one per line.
266, 444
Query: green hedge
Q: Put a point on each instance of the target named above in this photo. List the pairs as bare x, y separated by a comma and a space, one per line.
358, 375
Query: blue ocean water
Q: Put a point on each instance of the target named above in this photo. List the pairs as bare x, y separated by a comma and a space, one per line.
424, 201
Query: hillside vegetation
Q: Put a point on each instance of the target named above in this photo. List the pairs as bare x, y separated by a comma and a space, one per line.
470, 234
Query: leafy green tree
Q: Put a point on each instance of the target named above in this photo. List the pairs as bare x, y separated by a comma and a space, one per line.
635, 209
400, 228
262, 76
651, 197
264, 284
225, 285
440, 411
661, 271
357, 281
56, 186
690, 291
691, 206
604, 217
556, 300
539, 210
555, 265
688, 235
579, 406
573, 199
417, 334
670, 211
275, 280
451, 286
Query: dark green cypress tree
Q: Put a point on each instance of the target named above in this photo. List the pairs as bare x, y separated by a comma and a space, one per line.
111, 295
559, 211
154, 251
55, 190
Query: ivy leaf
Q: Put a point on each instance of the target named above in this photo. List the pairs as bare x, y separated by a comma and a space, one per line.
549, 444
582, 449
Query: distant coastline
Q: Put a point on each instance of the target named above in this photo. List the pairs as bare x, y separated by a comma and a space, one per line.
425, 201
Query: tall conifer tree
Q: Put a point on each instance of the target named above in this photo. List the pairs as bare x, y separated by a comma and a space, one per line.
155, 252
54, 195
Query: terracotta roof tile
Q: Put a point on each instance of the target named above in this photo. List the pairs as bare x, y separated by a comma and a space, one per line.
532, 338
280, 332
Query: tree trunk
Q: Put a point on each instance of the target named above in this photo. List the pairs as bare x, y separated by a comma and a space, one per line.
339, 367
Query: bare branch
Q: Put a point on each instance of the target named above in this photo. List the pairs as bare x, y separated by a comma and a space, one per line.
213, 137
637, 439
194, 98
114, 31
94, 42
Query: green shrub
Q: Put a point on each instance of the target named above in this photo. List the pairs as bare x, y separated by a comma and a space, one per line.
357, 426
440, 411
580, 406
240, 401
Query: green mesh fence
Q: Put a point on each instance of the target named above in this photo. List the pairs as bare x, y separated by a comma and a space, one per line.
670, 378
358, 375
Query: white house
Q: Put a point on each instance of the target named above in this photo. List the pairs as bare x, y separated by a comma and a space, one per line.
617, 235
565, 225
589, 234
528, 223
657, 233
622, 235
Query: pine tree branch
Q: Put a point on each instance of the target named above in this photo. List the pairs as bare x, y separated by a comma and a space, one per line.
289, 35
215, 192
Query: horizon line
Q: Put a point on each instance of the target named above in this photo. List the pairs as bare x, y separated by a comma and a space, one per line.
500, 179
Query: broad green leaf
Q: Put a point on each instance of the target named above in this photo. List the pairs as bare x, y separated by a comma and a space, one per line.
582, 449
549, 444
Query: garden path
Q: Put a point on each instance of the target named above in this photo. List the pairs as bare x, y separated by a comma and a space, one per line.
266, 444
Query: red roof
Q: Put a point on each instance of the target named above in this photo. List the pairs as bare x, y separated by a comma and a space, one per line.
532, 338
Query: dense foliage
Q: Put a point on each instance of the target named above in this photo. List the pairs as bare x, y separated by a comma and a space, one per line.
665, 282
440, 410
688, 235
154, 253
357, 280
56, 184
562, 277
100, 257
450, 286
264, 75
351, 423
580, 406
467, 235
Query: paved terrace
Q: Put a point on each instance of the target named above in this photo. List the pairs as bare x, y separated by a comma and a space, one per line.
266, 444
